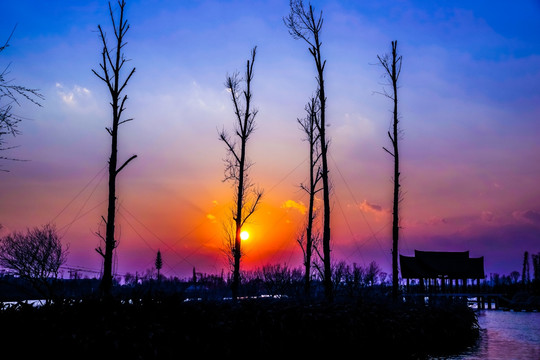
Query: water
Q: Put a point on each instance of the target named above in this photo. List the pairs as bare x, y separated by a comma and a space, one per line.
505, 335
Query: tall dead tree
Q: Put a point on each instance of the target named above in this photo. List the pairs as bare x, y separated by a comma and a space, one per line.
111, 65
247, 196
309, 126
392, 67
304, 24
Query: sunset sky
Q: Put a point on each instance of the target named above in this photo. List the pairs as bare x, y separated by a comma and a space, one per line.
470, 119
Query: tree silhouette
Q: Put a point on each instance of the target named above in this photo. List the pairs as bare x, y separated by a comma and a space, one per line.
35, 256
309, 126
11, 94
304, 24
247, 196
111, 66
392, 66
526, 274
158, 263
536, 268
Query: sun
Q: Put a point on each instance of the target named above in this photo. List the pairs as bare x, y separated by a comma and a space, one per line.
244, 235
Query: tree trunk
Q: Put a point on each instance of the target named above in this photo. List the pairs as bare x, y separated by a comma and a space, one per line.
395, 210
328, 290
110, 242
310, 126
309, 239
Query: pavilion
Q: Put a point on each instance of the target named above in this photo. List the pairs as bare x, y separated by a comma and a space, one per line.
439, 270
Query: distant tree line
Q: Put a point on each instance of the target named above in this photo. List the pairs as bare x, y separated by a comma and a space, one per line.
271, 280
349, 281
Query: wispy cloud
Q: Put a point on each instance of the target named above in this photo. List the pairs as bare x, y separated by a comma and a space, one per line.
291, 204
528, 216
73, 95
371, 208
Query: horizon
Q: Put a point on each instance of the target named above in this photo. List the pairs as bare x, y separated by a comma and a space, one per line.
469, 107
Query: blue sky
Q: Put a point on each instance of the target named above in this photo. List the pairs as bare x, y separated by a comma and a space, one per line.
469, 110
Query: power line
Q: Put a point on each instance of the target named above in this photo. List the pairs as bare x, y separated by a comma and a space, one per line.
373, 234
288, 174
144, 240
78, 194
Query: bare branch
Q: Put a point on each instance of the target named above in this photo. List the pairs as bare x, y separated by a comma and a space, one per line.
385, 149
253, 206
9, 121
125, 121
230, 145
127, 79
98, 249
124, 165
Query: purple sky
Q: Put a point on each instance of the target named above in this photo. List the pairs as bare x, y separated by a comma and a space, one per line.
470, 119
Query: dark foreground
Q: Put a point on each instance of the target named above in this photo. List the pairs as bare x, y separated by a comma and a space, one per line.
174, 329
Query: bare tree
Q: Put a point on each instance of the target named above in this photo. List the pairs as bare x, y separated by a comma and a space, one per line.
309, 126
111, 65
392, 66
10, 95
247, 196
304, 24
514, 277
372, 272
35, 256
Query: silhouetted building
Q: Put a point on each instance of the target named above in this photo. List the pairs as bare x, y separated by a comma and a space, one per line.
439, 268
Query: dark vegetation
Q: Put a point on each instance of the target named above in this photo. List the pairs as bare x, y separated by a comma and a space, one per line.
170, 317
169, 327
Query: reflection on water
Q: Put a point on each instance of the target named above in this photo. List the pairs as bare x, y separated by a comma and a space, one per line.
505, 335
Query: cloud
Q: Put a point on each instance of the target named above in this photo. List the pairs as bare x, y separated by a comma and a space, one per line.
70, 97
211, 217
434, 220
487, 216
291, 204
528, 216
367, 207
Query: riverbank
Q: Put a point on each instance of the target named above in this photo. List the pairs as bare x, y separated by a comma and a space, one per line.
168, 328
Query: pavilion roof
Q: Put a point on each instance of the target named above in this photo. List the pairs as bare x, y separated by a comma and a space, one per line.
434, 264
